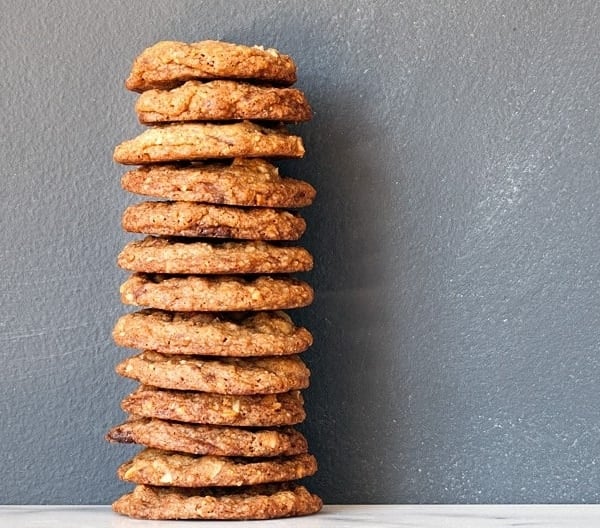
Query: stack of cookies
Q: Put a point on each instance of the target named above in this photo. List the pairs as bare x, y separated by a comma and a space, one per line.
219, 367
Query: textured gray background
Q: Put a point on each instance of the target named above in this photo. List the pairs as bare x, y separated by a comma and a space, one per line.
455, 150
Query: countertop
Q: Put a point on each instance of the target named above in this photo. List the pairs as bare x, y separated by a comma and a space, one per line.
419, 516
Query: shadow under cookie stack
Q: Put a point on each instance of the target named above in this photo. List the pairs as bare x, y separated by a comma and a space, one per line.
219, 366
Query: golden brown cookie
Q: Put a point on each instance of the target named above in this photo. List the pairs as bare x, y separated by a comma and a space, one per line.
214, 293
200, 141
261, 410
155, 467
209, 439
265, 501
222, 101
219, 334
169, 63
191, 219
167, 255
244, 181
265, 375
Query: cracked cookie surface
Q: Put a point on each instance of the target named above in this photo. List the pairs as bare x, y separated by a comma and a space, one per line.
243, 181
258, 410
264, 501
209, 293
201, 439
164, 468
189, 219
234, 334
169, 63
222, 101
200, 141
219, 375
185, 256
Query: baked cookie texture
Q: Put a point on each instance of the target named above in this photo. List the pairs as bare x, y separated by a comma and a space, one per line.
222, 101
268, 501
213, 293
243, 181
169, 63
257, 410
219, 375
192, 219
200, 439
181, 256
218, 360
236, 334
163, 468
200, 141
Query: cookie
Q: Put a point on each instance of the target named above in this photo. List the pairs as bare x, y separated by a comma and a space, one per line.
259, 410
209, 439
222, 101
155, 467
265, 501
244, 181
169, 63
165, 255
191, 219
200, 141
214, 293
219, 375
218, 334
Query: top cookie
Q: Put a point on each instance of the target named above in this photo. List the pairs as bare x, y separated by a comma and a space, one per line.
222, 101
167, 64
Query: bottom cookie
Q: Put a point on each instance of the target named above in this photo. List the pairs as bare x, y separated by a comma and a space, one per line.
253, 502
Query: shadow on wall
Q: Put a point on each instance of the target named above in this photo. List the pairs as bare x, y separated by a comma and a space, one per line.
354, 402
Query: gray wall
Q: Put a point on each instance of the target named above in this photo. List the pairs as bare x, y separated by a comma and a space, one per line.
455, 149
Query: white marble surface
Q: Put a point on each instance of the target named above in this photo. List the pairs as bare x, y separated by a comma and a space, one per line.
439, 516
